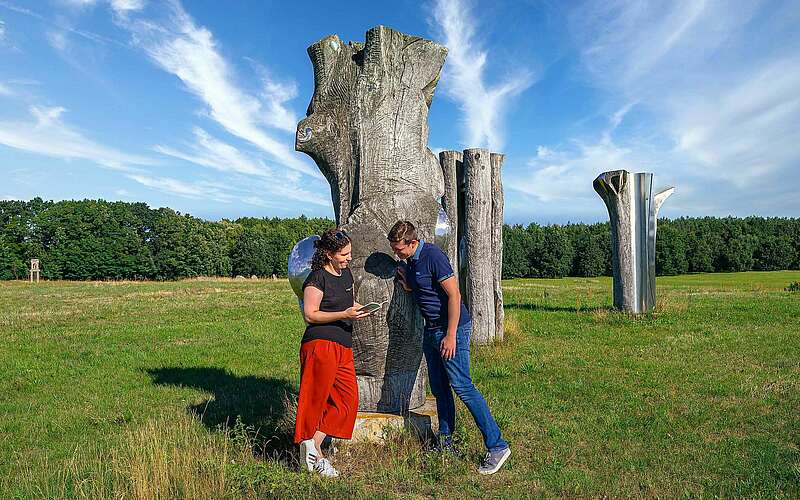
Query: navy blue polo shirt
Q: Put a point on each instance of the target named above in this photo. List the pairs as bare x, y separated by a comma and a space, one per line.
426, 270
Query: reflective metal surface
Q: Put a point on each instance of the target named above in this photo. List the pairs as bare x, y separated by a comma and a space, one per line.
443, 231
633, 210
300, 264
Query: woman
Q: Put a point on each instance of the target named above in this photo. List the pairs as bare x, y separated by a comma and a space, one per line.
328, 399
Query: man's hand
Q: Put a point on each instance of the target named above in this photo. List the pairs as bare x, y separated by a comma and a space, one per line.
448, 346
400, 277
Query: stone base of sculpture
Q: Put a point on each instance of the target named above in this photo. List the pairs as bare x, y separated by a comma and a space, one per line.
375, 427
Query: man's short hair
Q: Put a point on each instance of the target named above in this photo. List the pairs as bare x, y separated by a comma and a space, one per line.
403, 230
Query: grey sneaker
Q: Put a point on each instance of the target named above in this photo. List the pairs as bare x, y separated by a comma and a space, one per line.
324, 468
308, 454
494, 460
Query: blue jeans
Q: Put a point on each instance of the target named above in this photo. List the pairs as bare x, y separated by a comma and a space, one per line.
455, 373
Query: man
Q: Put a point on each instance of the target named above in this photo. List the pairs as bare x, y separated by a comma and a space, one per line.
428, 275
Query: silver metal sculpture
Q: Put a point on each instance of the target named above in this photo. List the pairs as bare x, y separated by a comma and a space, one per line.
443, 233
300, 265
633, 211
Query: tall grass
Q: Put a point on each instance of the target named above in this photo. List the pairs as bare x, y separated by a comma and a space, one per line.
185, 390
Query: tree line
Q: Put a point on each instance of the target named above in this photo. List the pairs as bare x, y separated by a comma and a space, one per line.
99, 240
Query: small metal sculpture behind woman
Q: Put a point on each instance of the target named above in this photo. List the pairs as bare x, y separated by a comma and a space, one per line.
328, 400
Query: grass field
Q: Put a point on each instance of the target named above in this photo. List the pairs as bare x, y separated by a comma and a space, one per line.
100, 385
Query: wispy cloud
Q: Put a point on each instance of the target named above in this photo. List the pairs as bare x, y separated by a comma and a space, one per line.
483, 104
208, 151
60, 25
190, 52
48, 135
718, 102
2, 31
127, 5
196, 190
5, 91
565, 174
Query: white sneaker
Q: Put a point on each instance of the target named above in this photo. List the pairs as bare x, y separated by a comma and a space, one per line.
308, 454
324, 468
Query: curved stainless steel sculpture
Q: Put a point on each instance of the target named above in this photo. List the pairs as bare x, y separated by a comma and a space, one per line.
633, 211
443, 233
300, 265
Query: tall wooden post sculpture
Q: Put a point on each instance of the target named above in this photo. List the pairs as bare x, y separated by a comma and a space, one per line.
633, 211
34, 273
473, 200
367, 129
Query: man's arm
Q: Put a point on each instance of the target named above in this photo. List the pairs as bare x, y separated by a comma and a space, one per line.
450, 286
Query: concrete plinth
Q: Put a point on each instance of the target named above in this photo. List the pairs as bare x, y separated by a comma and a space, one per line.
372, 427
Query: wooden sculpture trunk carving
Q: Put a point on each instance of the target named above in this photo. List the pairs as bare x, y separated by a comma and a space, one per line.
367, 130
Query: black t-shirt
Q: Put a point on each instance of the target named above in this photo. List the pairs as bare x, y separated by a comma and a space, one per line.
337, 295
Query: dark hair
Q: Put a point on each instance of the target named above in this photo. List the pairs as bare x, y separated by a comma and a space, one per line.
403, 230
331, 241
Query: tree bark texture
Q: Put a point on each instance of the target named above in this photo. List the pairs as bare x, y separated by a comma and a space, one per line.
474, 200
367, 130
497, 244
480, 262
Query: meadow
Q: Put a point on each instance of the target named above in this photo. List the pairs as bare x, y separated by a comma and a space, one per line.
183, 389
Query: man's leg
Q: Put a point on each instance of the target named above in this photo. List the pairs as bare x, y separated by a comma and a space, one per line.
461, 381
440, 385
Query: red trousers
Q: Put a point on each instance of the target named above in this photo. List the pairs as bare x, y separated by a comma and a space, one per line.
328, 399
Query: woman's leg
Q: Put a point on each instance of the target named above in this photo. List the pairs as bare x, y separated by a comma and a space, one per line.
339, 414
318, 366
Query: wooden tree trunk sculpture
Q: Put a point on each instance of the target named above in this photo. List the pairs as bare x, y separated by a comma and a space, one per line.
477, 191
367, 130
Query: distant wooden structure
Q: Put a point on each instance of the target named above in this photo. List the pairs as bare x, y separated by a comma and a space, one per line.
34, 270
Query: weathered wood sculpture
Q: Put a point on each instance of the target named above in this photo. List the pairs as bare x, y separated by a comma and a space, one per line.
367, 129
474, 200
633, 211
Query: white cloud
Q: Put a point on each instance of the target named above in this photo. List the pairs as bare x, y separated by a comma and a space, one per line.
190, 52
483, 104
196, 190
715, 103
745, 131
5, 91
121, 6
2, 31
275, 96
211, 152
48, 135
567, 175
262, 182
58, 40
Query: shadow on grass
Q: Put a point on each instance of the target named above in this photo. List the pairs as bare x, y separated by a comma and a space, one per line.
262, 407
528, 306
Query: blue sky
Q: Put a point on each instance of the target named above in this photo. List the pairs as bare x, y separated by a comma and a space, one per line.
193, 105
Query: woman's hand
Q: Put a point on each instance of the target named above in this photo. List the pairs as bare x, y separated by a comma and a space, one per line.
354, 313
